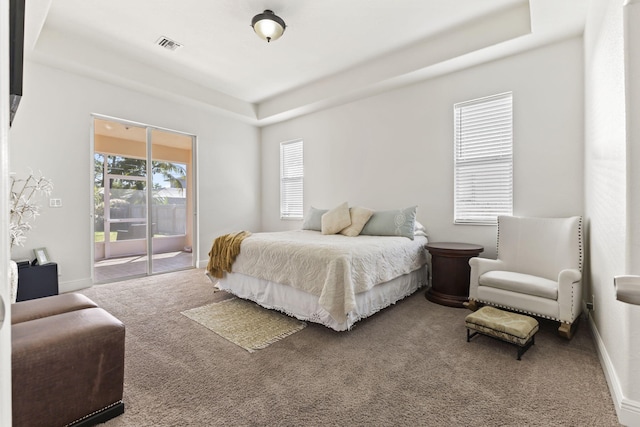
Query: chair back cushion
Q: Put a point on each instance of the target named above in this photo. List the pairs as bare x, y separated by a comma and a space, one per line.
540, 246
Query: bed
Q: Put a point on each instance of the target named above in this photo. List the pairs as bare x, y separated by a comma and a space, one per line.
334, 280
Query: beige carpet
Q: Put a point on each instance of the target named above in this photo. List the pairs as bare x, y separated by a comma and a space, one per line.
245, 323
408, 365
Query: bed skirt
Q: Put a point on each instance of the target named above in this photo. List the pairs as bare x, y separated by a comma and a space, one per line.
304, 306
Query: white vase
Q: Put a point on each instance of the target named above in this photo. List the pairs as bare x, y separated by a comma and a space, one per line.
13, 280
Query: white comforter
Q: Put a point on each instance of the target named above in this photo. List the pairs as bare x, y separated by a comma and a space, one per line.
332, 267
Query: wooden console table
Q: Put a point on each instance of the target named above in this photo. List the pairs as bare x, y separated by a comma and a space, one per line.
450, 272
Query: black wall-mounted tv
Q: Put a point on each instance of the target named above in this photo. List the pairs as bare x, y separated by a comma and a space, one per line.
16, 54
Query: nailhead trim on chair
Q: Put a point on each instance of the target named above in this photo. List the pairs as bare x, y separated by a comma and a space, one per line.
580, 243
580, 258
521, 311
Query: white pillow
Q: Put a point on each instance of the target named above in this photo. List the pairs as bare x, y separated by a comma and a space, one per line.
336, 219
359, 217
419, 230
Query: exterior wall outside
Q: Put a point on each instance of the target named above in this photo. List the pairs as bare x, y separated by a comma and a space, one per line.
396, 149
51, 134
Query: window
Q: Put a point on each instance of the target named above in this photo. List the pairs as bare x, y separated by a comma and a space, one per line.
291, 180
483, 159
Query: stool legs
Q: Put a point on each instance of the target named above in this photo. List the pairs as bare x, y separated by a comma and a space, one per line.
524, 348
521, 348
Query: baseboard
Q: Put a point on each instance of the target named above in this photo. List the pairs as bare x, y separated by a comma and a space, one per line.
74, 285
628, 411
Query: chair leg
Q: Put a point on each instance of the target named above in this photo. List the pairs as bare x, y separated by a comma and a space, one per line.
566, 330
471, 305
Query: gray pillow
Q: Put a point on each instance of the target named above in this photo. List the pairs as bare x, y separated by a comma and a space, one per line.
313, 220
399, 222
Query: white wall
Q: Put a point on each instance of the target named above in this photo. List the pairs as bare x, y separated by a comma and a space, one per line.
5, 287
396, 149
609, 193
632, 60
51, 134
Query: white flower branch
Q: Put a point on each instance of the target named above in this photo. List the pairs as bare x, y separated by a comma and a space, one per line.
22, 208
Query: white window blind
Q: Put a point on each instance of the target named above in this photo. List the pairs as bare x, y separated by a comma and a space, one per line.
483, 163
291, 180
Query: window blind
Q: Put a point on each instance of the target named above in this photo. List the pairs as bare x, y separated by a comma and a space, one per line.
483, 160
291, 180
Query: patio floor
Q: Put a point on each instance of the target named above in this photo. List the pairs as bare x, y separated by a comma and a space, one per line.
113, 269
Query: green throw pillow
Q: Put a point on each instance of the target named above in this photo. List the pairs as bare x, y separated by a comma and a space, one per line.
313, 220
399, 222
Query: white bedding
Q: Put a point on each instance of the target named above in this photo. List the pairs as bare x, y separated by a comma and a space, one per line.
334, 268
304, 306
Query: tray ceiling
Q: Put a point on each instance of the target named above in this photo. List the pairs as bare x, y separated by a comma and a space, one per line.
332, 50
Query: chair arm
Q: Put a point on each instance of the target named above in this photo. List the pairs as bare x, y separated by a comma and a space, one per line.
479, 266
569, 295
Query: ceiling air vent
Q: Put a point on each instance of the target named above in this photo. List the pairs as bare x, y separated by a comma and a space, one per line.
167, 43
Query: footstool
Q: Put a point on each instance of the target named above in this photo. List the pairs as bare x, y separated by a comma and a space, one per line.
513, 328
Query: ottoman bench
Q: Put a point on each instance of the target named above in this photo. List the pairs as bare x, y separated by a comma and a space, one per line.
67, 362
513, 328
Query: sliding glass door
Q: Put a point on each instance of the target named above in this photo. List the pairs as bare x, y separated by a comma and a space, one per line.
143, 200
171, 213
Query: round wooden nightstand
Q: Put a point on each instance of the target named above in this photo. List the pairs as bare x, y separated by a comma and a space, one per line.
450, 272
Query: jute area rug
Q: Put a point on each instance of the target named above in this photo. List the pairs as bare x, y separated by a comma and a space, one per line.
245, 323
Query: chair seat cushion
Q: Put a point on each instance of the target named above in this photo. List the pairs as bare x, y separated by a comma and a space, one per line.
520, 283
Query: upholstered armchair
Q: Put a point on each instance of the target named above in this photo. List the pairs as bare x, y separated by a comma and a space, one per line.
538, 270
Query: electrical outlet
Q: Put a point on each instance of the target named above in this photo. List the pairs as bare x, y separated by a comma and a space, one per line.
55, 203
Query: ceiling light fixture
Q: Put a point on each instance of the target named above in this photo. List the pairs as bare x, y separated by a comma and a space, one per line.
268, 25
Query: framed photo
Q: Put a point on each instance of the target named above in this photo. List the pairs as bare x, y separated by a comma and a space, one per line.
42, 256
